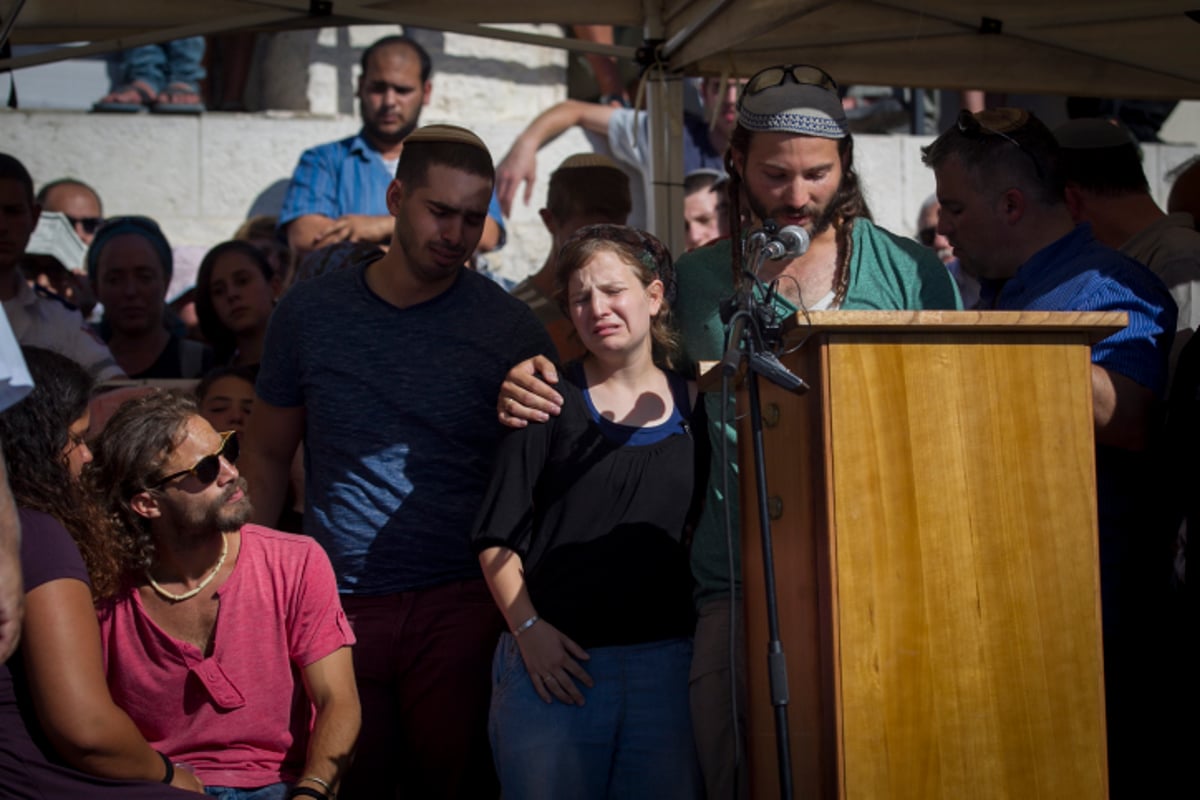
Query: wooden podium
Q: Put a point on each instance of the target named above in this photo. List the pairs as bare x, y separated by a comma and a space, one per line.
934, 531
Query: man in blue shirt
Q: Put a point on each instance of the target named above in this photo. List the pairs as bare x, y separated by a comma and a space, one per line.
338, 191
1002, 192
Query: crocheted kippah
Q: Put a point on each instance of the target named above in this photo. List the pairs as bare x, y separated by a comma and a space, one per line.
587, 160
1003, 119
446, 133
792, 107
1092, 134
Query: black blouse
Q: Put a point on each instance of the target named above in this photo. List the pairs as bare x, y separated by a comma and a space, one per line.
598, 524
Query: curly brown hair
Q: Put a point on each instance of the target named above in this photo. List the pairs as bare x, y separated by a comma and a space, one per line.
590, 240
35, 436
129, 455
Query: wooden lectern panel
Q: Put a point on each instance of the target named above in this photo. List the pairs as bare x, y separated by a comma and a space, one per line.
936, 558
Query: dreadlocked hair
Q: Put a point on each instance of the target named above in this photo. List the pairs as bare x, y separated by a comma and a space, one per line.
847, 205
35, 437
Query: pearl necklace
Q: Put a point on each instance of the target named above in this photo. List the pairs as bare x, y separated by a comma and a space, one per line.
195, 590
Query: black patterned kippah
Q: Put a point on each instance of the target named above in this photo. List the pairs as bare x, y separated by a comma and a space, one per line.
446, 133
794, 108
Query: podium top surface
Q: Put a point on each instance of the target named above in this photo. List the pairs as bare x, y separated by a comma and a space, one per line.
1096, 325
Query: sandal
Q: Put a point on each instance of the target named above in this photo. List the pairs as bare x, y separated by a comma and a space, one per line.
129, 98
179, 97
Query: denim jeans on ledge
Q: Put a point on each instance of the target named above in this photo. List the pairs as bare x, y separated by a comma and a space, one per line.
163, 64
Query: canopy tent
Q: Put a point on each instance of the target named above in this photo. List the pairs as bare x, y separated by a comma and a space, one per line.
1144, 49
1111, 48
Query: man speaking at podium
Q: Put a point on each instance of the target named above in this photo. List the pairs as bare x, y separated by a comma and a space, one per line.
791, 157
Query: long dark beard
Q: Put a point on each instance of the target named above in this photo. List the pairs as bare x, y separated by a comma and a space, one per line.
820, 222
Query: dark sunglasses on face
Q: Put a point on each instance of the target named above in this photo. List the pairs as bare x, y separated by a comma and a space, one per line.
970, 126
926, 236
88, 224
208, 468
802, 74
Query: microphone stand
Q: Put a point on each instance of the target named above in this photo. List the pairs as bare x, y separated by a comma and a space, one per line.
755, 333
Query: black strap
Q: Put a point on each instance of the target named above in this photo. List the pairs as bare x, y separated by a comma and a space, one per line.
304, 791
6, 52
170, 776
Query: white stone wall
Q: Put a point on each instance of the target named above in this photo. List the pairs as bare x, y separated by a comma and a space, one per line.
202, 176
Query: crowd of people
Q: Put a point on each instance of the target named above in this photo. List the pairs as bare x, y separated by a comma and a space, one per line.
462, 542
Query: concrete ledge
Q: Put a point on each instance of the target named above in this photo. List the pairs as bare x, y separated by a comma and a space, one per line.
200, 177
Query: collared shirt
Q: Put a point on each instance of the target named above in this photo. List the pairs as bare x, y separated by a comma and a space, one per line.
15, 382
42, 319
347, 177
1077, 273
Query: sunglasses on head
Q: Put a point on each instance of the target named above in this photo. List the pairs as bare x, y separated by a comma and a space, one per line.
801, 74
88, 224
969, 125
208, 468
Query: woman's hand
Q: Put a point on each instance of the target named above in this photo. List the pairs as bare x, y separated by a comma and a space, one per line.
549, 657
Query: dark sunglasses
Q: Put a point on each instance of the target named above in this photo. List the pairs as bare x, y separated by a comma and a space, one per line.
208, 468
970, 126
926, 236
89, 224
802, 74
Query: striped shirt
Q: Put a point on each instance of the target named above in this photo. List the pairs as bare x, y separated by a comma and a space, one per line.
1077, 273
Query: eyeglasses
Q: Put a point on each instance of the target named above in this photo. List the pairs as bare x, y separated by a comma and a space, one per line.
88, 224
802, 74
208, 468
969, 125
926, 236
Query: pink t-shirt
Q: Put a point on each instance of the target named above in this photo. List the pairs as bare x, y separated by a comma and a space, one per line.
240, 717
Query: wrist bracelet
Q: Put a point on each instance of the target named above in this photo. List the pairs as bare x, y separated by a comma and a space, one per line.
526, 625
170, 776
324, 784
304, 791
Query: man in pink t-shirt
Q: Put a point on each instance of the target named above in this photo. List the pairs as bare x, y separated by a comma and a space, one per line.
264, 699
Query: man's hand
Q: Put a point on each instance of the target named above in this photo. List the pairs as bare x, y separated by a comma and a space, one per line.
354, 228
519, 166
549, 657
526, 396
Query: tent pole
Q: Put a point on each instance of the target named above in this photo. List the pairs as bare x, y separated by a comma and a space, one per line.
12, 20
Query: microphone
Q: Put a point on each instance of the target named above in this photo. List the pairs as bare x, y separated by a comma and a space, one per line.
791, 241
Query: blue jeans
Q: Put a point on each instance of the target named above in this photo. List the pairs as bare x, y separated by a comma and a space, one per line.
274, 791
632, 738
162, 64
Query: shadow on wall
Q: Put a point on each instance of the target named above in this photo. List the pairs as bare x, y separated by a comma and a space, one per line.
287, 57
270, 200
